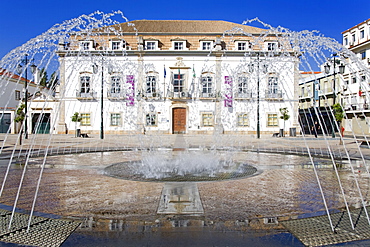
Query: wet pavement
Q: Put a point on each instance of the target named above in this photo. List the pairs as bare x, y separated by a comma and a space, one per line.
75, 186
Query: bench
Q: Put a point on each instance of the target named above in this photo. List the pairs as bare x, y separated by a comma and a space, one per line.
276, 135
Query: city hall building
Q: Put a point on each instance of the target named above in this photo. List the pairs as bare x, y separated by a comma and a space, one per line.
177, 77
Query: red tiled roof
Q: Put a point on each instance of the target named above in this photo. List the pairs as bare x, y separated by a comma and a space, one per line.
183, 26
5, 73
309, 72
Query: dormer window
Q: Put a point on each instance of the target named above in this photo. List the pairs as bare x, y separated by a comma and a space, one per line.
117, 45
178, 45
345, 41
206, 45
272, 46
86, 45
242, 45
151, 45
362, 34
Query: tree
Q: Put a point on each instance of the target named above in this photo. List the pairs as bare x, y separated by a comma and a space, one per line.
284, 115
20, 116
76, 118
339, 115
47, 82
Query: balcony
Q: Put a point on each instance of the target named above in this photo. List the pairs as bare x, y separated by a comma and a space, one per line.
116, 96
90, 95
273, 95
357, 107
243, 95
179, 95
152, 95
210, 95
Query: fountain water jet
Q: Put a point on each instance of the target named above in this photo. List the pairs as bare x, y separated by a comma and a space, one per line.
311, 50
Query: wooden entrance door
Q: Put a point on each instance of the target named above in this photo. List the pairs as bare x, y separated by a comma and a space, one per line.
179, 120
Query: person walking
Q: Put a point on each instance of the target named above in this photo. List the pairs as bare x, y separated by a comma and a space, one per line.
315, 128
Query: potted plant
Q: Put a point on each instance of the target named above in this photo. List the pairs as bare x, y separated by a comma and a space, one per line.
20, 116
285, 116
76, 118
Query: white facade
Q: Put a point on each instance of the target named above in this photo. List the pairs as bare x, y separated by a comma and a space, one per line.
12, 94
177, 83
356, 79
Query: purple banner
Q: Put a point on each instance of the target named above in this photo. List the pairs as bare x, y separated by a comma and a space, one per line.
130, 94
228, 102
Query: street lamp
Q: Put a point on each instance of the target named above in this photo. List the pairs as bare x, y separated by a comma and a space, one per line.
327, 71
95, 70
24, 63
264, 70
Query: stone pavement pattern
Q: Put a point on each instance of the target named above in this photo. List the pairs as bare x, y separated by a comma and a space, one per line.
82, 190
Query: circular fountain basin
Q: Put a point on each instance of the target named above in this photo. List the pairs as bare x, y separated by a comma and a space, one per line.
125, 170
181, 167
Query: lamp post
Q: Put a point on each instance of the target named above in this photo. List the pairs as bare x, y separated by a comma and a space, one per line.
264, 70
95, 70
24, 62
327, 71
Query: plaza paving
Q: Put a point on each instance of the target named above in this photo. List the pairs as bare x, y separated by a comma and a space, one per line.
74, 184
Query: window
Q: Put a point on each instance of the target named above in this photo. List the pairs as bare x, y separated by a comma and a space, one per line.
270, 220
85, 84
345, 42
178, 83
242, 46
273, 84
85, 45
17, 95
207, 119
354, 80
151, 119
242, 85
150, 45
272, 46
115, 84
116, 45
272, 120
206, 45
362, 34
363, 78
85, 119
115, 119
178, 45
302, 91
150, 85
243, 120
207, 86
363, 54
353, 38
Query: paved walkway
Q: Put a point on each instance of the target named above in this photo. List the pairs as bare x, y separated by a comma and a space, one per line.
73, 185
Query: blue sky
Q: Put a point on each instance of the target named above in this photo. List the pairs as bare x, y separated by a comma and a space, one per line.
22, 20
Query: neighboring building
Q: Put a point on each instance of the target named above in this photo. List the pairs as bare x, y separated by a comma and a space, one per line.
11, 95
177, 77
318, 92
316, 99
356, 88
